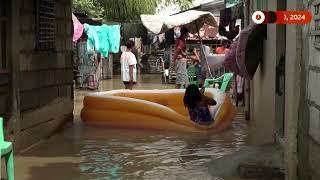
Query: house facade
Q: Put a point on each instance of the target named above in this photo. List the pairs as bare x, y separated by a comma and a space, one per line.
284, 94
36, 75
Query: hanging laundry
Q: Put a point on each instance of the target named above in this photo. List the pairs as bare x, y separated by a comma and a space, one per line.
232, 32
77, 28
170, 37
225, 17
240, 84
132, 30
250, 49
114, 38
104, 44
103, 39
230, 62
93, 37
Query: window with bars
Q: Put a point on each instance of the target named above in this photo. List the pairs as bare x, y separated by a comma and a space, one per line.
3, 35
316, 30
45, 25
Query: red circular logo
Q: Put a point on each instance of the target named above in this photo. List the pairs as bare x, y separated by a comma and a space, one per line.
258, 17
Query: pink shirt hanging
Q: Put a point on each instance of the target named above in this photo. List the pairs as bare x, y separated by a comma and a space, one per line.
78, 28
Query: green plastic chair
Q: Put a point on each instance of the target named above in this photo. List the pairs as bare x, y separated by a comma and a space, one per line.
224, 79
7, 152
192, 74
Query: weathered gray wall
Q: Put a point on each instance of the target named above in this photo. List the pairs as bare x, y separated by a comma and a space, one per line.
107, 67
46, 91
313, 104
262, 93
4, 66
302, 97
309, 117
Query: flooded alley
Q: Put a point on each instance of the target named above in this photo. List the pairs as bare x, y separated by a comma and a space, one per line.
222, 89
83, 152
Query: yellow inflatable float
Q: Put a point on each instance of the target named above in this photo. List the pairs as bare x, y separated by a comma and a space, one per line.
153, 109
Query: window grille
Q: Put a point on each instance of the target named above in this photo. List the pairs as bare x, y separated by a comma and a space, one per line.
45, 25
316, 29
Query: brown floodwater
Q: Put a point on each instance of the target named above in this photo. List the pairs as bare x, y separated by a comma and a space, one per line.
83, 152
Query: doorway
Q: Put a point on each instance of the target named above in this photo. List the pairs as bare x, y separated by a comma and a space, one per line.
280, 75
4, 70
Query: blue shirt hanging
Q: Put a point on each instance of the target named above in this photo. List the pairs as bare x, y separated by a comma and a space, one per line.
104, 39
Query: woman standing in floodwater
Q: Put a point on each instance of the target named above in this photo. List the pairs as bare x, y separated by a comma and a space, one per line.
180, 60
128, 66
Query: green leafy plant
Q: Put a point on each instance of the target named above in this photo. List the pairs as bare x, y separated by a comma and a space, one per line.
132, 9
123, 10
91, 8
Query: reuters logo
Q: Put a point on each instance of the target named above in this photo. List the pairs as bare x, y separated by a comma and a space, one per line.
258, 17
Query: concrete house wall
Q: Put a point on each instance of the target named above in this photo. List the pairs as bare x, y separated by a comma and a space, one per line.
264, 103
299, 110
308, 131
41, 81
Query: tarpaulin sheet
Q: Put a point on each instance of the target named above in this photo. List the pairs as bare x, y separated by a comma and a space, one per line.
160, 24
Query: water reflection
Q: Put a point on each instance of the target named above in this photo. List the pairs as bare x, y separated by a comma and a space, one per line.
130, 154
82, 152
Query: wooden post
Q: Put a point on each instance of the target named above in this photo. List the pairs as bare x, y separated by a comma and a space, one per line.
110, 67
205, 57
236, 89
246, 10
246, 98
14, 40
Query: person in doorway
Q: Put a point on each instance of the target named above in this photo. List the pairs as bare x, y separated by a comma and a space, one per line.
180, 60
128, 66
197, 104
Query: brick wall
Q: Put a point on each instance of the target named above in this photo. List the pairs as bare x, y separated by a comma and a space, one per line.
46, 91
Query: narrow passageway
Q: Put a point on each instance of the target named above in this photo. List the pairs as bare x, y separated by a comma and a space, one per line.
82, 152
48, 47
